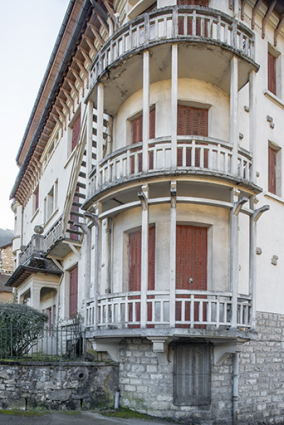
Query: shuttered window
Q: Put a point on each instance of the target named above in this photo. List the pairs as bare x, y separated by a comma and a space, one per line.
192, 375
271, 73
73, 293
203, 3
137, 137
272, 153
76, 133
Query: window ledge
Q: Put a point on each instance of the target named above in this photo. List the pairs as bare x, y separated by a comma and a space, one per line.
52, 215
274, 197
274, 98
35, 214
70, 157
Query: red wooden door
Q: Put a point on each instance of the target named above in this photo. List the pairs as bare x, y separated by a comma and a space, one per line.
73, 296
271, 64
192, 122
272, 170
191, 266
134, 281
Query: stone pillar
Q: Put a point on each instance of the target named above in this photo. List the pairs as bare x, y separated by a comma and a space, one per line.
144, 253
234, 130
173, 256
146, 107
252, 124
35, 296
174, 104
98, 210
100, 128
234, 255
89, 135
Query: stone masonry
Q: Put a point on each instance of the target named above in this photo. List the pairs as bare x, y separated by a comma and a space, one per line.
147, 386
58, 386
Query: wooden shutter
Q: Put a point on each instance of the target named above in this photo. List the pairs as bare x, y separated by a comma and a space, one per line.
137, 130
134, 283
272, 170
152, 124
271, 73
36, 199
192, 375
76, 132
192, 121
73, 298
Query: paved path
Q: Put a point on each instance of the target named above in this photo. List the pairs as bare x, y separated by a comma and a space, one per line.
75, 418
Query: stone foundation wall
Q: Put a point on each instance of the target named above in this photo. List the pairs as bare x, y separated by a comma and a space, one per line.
66, 386
147, 386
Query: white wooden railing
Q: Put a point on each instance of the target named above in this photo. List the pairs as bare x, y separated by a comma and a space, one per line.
193, 309
193, 152
173, 23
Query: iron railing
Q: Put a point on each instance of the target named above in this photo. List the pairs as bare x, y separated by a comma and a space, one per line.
64, 343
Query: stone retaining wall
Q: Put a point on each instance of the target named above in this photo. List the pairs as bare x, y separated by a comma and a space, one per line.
66, 386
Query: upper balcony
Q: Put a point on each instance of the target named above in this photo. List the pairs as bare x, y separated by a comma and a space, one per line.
207, 40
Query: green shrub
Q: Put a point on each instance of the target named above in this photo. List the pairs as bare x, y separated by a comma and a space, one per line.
20, 327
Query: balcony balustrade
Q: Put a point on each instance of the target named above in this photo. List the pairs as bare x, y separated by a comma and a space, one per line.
193, 153
192, 309
174, 23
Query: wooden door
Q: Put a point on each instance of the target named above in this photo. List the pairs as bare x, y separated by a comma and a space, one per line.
134, 281
191, 266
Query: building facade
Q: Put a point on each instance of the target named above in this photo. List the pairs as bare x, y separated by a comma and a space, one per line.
149, 201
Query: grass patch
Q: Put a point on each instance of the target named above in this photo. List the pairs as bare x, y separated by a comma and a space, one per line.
16, 412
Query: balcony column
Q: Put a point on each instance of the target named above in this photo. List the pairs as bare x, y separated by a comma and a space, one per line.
252, 123
234, 130
35, 296
252, 262
89, 135
173, 256
100, 129
106, 239
98, 250
146, 107
234, 255
143, 196
174, 105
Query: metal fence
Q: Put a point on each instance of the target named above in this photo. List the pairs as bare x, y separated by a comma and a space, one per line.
64, 343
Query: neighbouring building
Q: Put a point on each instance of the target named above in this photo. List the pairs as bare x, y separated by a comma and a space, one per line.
150, 199
6, 259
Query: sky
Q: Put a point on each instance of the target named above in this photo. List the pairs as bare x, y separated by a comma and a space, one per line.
28, 30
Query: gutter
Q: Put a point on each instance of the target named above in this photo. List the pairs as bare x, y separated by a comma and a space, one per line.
62, 69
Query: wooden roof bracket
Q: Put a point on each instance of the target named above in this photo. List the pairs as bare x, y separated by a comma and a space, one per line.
103, 24
86, 55
61, 115
90, 44
95, 33
57, 120
64, 105
267, 16
73, 87
243, 3
109, 9
254, 11
277, 29
68, 97
82, 69
79, 79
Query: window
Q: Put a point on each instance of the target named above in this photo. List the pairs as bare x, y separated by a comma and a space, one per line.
73, 293
134, 268
273, 71
192, 375
50, 202
36, 199
192, 122
137, 137
76, 132
201, 25
274, 169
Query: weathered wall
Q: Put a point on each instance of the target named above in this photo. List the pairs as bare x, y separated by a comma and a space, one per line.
148, 387
66, 386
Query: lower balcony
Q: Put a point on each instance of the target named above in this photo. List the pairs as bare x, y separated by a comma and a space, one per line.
208, 310
202, 154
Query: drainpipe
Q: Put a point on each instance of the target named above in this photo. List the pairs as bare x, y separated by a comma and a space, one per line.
236, 389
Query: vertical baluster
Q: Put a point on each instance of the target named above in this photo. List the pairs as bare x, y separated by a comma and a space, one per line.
182, 310
209, 312
202, 156
200, 308
219, 28
126, 317
210, 157
218, 312
194, 24
192, 311
112, 319
193, 153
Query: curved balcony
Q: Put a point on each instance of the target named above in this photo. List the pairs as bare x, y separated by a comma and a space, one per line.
191, 309
191, 26
195, 154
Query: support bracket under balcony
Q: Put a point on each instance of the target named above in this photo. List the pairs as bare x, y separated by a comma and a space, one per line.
160, 347
111, 346
223, 349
